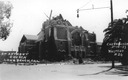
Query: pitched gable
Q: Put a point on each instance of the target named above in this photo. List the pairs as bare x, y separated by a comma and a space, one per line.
29, 37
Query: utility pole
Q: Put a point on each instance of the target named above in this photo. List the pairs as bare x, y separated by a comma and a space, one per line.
111, 7
111, 10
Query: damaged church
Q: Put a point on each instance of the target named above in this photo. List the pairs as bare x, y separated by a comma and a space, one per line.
59, 40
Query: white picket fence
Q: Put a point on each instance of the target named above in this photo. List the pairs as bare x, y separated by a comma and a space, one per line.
18, 59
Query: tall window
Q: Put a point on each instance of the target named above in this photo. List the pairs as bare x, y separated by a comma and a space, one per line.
61, 33
76, 39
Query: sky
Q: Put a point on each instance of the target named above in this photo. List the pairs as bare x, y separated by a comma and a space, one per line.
28, 16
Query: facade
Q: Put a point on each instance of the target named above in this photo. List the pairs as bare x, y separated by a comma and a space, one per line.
83, 43
58, 40
54, 42
27, 42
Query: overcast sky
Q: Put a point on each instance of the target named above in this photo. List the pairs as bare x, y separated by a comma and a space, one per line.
28, 16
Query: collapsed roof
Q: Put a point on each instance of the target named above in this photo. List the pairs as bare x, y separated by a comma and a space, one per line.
58, 20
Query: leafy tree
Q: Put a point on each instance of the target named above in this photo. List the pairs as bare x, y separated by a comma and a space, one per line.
118, 33
5, 23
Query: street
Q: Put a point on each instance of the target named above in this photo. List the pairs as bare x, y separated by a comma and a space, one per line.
63, 71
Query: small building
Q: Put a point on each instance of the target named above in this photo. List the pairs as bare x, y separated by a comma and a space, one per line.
27, 42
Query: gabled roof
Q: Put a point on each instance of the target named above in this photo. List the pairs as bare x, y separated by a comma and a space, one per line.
29, 37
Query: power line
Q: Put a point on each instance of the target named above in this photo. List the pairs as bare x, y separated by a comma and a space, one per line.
85, 4
89, 9
79, 9
93, 8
